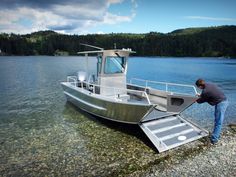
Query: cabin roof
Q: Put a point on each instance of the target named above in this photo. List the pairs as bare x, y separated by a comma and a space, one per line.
126, 51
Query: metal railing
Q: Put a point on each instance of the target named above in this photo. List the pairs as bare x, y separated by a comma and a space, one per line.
74, 80
91, 86
166, 84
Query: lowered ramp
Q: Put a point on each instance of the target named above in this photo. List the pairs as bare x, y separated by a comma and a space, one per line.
172, 131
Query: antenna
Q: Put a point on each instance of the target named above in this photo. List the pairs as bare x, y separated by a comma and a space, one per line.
92, 46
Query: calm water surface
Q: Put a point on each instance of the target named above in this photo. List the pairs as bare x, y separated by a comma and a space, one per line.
41, 134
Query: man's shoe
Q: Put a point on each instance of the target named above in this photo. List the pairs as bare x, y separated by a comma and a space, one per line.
214, 142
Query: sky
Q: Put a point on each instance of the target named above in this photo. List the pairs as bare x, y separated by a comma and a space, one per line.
113, 16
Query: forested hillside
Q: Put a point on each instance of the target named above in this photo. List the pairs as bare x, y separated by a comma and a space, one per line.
199, 42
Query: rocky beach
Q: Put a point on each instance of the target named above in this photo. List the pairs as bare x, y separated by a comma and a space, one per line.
201, 160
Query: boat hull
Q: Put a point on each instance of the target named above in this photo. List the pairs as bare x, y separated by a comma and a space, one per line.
115, 111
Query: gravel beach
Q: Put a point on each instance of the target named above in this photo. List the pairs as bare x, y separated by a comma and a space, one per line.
198, 159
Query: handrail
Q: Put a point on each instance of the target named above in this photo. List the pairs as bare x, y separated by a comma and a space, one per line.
146, 95
74, 78
164, 83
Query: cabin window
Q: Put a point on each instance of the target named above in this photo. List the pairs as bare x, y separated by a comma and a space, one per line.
114, 65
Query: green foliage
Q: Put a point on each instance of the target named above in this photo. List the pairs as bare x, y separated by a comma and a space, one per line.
199, 42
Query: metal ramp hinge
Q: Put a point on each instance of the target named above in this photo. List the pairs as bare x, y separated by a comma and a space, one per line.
170, 132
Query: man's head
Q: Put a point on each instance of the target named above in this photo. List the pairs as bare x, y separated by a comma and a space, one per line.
200, 83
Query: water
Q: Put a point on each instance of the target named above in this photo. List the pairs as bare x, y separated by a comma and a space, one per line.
41, 134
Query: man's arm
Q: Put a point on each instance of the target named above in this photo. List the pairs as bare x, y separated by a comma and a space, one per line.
202, 98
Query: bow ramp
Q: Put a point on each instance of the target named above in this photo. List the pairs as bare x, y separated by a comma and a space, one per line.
171, 131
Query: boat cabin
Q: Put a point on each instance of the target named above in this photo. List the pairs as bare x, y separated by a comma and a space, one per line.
111, 72
109, 82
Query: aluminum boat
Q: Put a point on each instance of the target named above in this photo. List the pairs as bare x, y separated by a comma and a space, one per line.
154, 106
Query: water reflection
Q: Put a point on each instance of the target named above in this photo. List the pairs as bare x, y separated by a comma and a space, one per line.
229, 64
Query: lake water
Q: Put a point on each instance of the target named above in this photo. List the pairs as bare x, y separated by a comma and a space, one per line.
41, 134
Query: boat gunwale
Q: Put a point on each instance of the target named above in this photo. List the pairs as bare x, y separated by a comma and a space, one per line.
103, 98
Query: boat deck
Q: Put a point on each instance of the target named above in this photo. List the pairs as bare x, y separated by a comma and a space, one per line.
156, 114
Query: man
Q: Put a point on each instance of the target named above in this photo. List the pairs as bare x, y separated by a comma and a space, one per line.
215, 97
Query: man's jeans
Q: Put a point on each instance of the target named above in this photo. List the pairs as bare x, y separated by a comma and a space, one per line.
220, 109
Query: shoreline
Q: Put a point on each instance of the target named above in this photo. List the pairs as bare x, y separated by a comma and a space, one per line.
197, 159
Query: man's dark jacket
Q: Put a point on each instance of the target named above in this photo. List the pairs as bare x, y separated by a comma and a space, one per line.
211, 94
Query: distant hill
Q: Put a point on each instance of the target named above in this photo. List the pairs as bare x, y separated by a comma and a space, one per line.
190, 31
198, 42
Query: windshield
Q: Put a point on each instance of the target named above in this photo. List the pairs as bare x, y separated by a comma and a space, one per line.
114, 65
